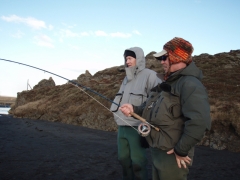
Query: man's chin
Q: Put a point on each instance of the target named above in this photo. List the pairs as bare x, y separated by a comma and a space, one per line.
165, 70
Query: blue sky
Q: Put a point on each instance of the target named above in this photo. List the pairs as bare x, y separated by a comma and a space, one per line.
70, 37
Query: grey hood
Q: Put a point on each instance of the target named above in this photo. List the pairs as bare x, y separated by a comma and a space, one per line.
131, 72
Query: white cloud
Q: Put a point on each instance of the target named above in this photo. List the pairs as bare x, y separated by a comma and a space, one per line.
69, 26
100, 33
121, 35
68, 33
44, 40
50, 27
117, 34
29, 21
137, 32
84, 34
18, 34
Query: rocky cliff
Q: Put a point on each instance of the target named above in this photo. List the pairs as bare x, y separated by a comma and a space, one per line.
79, 106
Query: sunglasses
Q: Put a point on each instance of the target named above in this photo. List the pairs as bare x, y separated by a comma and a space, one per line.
162, 58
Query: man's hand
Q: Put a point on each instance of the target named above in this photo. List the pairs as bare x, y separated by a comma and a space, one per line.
126, 109
181, 161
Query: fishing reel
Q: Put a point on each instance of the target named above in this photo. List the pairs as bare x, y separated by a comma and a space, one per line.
144, 129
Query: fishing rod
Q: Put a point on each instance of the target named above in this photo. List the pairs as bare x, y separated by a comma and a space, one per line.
65, 79
86, 88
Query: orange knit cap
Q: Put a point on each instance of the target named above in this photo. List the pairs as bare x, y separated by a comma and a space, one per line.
179, 50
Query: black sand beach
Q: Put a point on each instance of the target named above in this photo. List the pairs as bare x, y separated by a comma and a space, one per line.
37, 149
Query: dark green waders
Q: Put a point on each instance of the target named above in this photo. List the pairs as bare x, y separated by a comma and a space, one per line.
165, 166
131, 155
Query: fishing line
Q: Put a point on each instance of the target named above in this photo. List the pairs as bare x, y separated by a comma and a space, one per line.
77, 85
143, 128
102, 105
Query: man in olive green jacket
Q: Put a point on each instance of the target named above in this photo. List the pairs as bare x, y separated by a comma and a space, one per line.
179, 107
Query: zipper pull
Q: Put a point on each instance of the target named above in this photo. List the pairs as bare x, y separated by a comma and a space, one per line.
150, 106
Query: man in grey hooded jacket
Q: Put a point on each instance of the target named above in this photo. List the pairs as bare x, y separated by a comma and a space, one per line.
135, 89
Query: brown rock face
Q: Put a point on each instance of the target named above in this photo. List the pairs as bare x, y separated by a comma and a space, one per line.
45, 83
79, 106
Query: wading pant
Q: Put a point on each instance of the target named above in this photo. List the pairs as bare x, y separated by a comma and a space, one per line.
131, 155
165, 166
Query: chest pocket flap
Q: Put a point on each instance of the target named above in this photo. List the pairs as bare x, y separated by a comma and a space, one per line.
167, 109
137, 97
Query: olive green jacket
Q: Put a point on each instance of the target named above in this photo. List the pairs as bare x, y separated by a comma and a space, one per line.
180, 108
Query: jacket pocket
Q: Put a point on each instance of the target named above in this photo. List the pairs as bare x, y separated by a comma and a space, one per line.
116, 100
136, 98
175, 110
167, 109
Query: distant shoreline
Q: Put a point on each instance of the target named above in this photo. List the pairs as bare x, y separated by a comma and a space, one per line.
5, 106
4, 110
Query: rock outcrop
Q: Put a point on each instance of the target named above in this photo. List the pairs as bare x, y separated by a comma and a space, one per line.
80, 106
45, 83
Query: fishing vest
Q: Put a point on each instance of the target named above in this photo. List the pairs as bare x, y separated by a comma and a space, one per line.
163, 110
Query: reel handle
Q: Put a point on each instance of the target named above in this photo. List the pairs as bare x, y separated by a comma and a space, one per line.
143, 120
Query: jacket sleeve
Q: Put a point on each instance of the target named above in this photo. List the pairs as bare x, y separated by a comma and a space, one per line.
139, 109
153, 81
196, 112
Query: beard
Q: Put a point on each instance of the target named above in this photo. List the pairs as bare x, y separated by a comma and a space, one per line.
166, 68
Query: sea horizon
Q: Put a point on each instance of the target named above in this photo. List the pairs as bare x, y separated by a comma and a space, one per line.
4, 110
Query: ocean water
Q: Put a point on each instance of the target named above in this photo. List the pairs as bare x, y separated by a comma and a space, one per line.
4, 110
